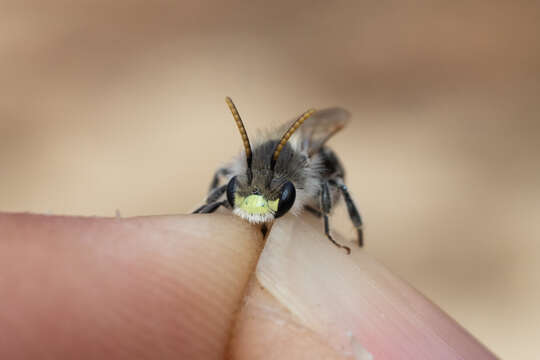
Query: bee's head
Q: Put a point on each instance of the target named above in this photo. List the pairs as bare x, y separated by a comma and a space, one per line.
259, 206
254, 200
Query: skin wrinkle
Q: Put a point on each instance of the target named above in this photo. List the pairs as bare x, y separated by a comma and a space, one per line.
272, 332
280, 316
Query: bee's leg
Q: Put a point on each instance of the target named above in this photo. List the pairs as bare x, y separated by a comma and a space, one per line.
199, 209
212, 197
215, 180
211, 207
312, 210
354, 215
216, 193
326, 205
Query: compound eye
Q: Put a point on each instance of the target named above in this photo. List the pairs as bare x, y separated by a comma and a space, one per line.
231, 189
286, 199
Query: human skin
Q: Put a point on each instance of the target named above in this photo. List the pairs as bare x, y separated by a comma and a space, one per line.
206, 287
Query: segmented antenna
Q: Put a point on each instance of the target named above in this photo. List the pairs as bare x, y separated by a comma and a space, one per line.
242, 129
288, 135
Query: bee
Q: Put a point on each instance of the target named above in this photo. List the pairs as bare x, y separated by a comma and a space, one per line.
289, 169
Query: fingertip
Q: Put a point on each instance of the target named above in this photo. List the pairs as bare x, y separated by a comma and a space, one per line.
165, 286
352, 301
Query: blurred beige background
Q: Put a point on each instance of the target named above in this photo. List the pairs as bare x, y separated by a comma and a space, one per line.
119, 105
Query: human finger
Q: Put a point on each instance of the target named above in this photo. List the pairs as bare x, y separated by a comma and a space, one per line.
150, 287
311, 300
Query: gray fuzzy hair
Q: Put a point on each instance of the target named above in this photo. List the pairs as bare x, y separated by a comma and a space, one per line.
293, 164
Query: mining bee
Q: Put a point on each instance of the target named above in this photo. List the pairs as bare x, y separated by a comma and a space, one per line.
289, 169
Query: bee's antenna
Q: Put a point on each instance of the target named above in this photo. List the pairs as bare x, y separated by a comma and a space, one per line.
243, 133
288, 135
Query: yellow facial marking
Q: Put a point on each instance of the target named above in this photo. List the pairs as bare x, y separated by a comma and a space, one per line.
238, 200
255, 204
273, 204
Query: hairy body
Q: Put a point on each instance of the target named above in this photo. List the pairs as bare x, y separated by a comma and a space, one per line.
288, 172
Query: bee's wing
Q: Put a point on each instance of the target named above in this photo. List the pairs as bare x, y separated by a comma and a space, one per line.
320, 127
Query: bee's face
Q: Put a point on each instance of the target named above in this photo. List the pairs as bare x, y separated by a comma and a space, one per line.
258, 206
